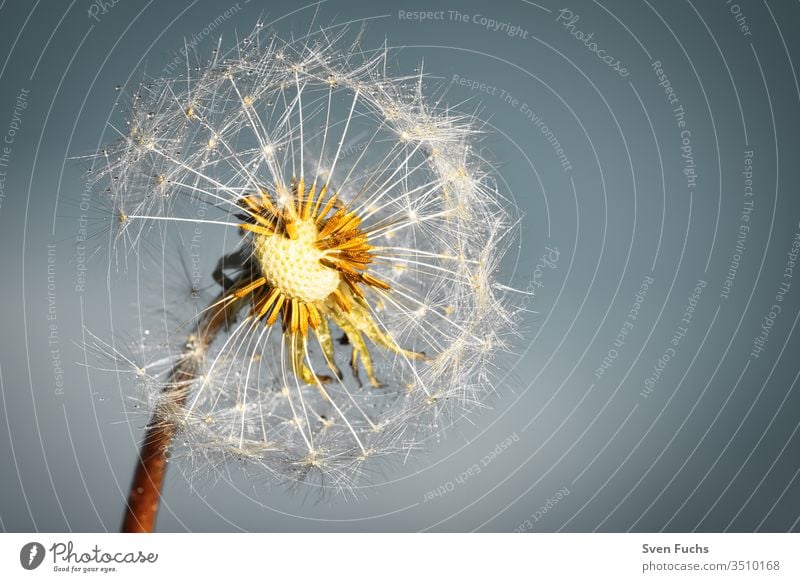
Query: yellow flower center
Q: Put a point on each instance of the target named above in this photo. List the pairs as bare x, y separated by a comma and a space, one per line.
313, 262
293, 265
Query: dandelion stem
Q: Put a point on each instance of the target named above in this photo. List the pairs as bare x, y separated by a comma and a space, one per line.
151, 466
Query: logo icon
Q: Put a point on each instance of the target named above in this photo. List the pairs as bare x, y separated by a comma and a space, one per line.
31, 555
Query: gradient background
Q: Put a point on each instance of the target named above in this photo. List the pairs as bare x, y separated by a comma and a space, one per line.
714, 447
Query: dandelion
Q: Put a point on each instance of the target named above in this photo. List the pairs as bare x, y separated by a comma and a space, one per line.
359, 308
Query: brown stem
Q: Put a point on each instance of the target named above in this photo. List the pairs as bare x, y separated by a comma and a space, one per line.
145, 492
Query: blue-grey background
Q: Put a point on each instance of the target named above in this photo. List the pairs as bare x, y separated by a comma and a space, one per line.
713, 446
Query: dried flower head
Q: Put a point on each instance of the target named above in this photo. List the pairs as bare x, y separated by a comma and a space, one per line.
360, 303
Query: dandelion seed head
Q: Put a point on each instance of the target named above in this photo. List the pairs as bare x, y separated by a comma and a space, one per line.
359, 305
